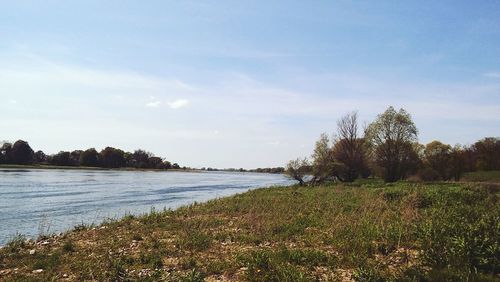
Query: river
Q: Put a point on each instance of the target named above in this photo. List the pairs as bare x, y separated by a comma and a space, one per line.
37, 202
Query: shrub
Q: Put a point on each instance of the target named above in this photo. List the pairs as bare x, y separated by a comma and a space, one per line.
428, 174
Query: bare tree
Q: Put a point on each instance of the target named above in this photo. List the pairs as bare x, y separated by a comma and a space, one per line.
349, 149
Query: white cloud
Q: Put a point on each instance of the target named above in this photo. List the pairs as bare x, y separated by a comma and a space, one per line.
177, 104
34, 74
154, 104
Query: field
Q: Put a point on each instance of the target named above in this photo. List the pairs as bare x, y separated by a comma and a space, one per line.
366, 231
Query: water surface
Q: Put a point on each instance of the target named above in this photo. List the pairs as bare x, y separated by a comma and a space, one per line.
40, 201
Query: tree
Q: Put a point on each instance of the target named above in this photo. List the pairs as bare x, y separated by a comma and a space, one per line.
40, 157
62, 158
297, 169
75, 157
349, 150
5, 152
89, 157
488, 153
322, 161
155, 162
390, 138
141, 159
22, 153
457, 162
167, 165
438, 156
112, 158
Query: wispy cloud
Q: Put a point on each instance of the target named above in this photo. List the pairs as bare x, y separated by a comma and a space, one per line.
154, 104
274, 143
34, 73
177, 104
492, 74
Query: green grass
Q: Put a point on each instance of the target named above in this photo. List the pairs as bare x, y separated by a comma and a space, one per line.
367, 231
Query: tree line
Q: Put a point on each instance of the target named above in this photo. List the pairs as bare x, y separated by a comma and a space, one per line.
20, 153
388, 148
273, 170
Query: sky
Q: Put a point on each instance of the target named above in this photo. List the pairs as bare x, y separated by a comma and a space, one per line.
242, 83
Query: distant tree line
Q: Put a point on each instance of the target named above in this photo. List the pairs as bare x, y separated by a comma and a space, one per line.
388, 148
20, 153
260, 170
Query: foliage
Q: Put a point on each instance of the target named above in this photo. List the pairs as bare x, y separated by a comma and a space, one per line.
438, 158
488, 153
323, 163
62, 158
297, 169
391, 137
89, 157
22, 153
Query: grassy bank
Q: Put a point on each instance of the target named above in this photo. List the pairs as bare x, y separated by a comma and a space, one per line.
364, 232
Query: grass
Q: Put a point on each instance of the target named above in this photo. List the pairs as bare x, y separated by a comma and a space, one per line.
483, 176
366, 231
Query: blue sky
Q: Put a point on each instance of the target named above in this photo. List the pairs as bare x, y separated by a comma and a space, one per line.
242, 83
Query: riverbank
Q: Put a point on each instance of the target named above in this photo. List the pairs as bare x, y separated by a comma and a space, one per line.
338, 232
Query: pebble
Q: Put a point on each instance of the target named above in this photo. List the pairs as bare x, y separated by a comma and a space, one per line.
32, 252
37, 271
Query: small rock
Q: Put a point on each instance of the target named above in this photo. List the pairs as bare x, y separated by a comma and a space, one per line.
32, 252
65, 275
37, 271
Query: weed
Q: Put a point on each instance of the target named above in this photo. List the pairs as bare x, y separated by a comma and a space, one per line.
196, 241
17, 243
68, 247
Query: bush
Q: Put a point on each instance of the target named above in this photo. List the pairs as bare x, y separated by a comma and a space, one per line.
428, 174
